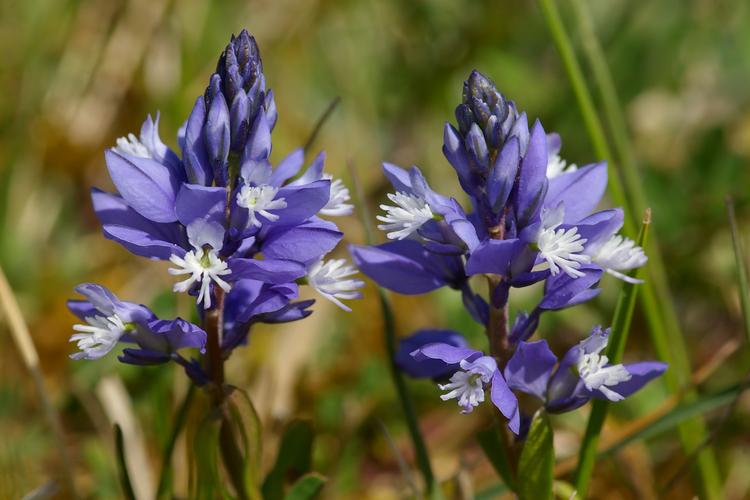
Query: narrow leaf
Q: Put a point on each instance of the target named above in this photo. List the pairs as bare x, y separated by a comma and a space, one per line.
293, 459
680, 414
127, 488
306, 487
492, 446
234, 462
536, 466
165, 478
206, 482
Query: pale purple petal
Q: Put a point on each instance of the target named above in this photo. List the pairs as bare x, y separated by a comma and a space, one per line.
530, 368
147, 185
505, 401
493, 257
579, 191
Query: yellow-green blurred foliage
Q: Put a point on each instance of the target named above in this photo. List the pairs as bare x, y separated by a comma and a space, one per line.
75, 75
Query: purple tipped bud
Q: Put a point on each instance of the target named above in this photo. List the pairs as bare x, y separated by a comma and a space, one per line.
484, 106
217, 131
240, 66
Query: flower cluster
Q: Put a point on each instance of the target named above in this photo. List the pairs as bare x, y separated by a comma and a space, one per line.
532, 220
241, 234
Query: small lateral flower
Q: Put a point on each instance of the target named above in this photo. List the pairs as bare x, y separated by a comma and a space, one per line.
111, 321
582, 374
107, 320
476, 373
332, 280
427, 368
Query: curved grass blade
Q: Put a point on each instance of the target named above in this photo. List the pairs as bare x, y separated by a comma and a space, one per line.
21, 336
389, 330
680, 414
657, 301
127, 487
319, 124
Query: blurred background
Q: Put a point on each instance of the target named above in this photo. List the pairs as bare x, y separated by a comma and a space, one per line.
75, 75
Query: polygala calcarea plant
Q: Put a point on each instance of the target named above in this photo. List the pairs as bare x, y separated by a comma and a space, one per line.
241, 236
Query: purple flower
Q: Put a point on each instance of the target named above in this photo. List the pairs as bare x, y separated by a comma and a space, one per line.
582, 374
531, 217
429, 368
110, 320
229, 221
476, 373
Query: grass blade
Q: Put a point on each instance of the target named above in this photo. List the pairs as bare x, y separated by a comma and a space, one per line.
122, 468
680, 414
319, 124
165, 487
617, 339
739, 255
389, 327
25, 344
656, 298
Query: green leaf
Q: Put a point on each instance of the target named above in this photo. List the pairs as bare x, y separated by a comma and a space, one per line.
536, 466
306, 487
491, 443
492, 492
127, 488
242, 425
206, 482
234, 461
164, 489
244, 413
293, 459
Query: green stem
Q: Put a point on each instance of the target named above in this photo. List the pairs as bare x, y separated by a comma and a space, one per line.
420, 450
617, 339
319, 124
165, 485
389, 330
656, 298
